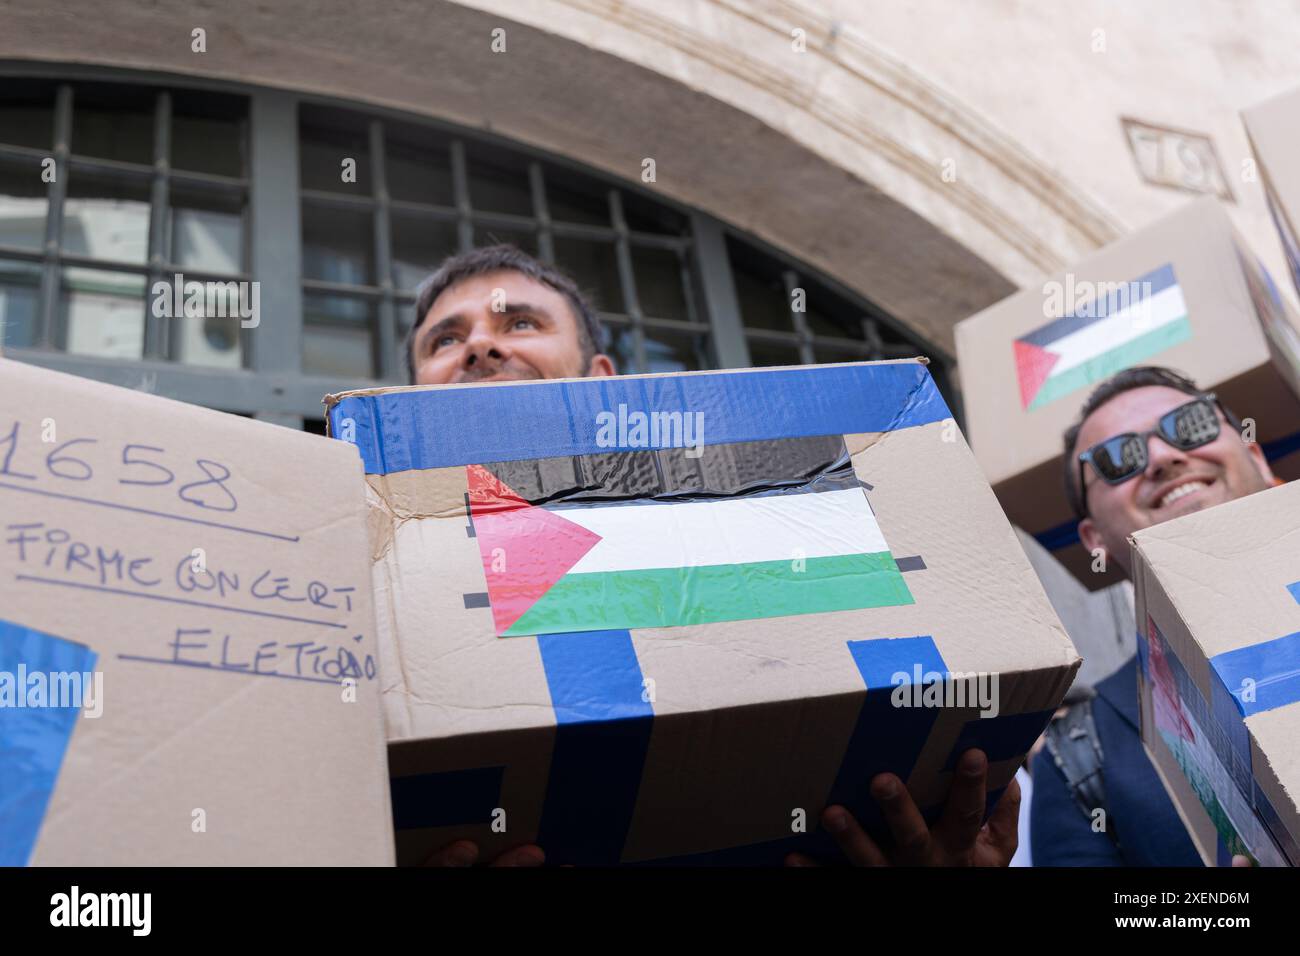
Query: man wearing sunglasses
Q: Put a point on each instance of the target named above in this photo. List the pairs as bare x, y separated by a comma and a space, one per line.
1148, 446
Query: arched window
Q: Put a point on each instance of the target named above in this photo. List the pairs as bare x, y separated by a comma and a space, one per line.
112, 183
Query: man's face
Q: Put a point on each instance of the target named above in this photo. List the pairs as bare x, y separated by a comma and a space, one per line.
1173, 483
500, 326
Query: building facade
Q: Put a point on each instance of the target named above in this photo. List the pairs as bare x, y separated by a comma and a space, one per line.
734, 182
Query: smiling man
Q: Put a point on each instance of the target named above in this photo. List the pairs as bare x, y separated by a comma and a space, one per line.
1149, 446
497, 314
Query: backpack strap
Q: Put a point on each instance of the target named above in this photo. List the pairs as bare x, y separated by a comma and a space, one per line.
1076, 749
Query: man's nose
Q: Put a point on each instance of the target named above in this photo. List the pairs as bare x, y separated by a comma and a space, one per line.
1161, 456
483, 345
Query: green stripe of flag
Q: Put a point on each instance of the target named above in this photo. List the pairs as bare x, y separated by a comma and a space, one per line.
1132, 352
666, 597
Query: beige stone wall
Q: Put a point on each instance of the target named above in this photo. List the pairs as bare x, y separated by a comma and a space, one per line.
1029, 68
1024, 97
835, 153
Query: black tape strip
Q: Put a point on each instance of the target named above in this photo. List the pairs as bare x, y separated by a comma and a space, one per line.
740, 468
477, 599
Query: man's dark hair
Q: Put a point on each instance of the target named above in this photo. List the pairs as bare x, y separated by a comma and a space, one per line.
477, 262
1143, 376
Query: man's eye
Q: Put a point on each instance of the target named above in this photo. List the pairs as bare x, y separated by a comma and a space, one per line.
524, 323
442, 340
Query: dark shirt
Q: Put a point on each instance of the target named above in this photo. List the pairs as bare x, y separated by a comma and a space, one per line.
1137, 806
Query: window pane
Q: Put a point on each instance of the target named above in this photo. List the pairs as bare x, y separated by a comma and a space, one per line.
826, 354
207, 231
209, 132
659, 283
498, 182
211, 341
419, 246
22, 204
594, 266
110, 122
102, 313
772, 353
763, 301
492, 236
665, 351
622, 349
20, 287
405, 314
646, 215
760, 287
830, 315
337, 337
576, 199
106, 220
419, 175
673, 351
27, 113
321, 155
338, 245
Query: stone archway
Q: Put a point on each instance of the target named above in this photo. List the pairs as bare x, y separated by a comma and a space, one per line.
835, 156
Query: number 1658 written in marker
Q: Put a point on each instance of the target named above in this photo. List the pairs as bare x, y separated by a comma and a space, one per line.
137, 464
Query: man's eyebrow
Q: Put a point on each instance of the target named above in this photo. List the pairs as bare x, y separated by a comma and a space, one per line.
514, 307
435, 330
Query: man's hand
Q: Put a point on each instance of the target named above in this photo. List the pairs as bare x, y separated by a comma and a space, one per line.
465, 853
957, 839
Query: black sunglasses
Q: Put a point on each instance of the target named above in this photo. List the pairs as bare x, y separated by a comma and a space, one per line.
1119, 458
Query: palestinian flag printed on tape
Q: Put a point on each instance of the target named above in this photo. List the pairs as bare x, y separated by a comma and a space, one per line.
1123, 325
657, 538
1220, 777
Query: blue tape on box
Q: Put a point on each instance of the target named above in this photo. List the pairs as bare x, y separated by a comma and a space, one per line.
33, 739
438, 428
1263, 676
602, 736
446, 798
886, 739
1001, 737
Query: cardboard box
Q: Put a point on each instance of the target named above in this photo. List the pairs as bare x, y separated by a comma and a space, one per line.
1186, 293
199, 582
1218, 605
697, 643
1273, 128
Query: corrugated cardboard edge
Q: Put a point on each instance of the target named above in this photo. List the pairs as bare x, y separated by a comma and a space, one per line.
1193, 815
1264, 123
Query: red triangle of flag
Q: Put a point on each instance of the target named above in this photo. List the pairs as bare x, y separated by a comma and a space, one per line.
1033, 365
525, 549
